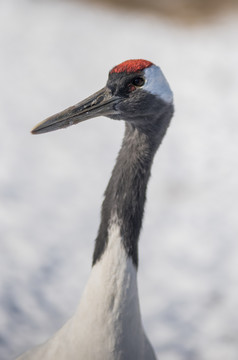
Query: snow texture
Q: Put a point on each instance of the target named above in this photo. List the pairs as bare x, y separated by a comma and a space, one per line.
55, 53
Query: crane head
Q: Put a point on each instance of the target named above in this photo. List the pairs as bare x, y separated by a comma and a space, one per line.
136, 91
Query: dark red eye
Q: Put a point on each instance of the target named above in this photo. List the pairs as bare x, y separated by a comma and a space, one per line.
138, 81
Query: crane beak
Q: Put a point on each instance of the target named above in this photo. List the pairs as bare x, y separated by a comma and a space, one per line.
100, 103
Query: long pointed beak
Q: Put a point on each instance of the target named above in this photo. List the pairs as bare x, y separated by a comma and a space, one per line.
100, 103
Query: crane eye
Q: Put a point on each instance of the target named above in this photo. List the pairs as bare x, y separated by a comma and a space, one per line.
138, 81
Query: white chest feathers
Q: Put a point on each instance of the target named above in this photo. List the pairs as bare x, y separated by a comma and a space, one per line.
107, 324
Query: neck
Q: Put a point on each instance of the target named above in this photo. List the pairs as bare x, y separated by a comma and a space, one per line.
125, 194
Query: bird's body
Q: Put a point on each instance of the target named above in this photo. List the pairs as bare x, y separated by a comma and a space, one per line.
107, 324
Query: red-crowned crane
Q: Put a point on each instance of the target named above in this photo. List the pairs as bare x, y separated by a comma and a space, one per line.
107, 324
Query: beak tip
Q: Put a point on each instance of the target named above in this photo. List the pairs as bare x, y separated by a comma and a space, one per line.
38, 129
34, 131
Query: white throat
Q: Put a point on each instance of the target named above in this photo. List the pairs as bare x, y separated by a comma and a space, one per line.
156, 83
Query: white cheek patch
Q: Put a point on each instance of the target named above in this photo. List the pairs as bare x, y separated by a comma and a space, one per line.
156, 84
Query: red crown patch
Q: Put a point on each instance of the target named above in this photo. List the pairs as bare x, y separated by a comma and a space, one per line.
131, 66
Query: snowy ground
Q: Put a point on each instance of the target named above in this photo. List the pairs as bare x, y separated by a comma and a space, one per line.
55, 53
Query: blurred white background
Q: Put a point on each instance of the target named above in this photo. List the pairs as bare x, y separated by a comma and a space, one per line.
55, 53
